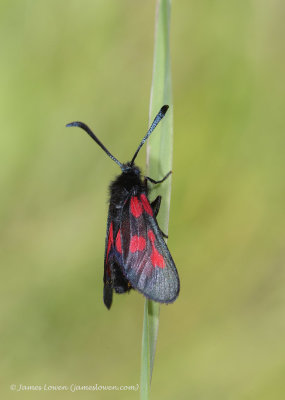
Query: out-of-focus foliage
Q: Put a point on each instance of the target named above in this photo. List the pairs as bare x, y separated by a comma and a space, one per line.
92, 61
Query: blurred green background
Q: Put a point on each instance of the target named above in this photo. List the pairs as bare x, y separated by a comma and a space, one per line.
92, 61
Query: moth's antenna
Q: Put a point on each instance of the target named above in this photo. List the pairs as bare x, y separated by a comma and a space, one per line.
156, 121
91, 134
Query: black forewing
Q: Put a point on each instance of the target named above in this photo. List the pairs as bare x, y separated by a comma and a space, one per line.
113, 273
108, 288
155, 282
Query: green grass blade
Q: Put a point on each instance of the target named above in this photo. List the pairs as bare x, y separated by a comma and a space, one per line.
159, 146
153, 322
145, 371
159, 162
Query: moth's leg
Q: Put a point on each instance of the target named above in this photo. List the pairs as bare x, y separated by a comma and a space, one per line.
147, 178
155, 205
163, 234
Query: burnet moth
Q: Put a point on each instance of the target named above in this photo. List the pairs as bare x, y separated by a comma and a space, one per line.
136, 255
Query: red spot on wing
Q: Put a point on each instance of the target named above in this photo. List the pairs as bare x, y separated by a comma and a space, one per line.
137, 243
146, 204
136, 208
151, 236
118, 242
157, 259
110, 240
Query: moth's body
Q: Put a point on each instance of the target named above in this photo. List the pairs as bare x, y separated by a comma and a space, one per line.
136, 255
126, 184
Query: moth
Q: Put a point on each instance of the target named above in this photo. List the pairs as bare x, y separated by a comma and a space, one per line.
136, 255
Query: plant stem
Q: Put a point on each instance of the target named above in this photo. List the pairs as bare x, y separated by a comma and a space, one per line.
159, 162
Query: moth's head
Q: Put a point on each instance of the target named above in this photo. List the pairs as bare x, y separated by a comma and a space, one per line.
129, 168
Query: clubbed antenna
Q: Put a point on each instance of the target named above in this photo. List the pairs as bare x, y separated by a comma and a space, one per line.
91, 134
156, 121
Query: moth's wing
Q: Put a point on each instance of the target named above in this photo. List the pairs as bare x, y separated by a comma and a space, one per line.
107, 279
113, 274
147, 262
